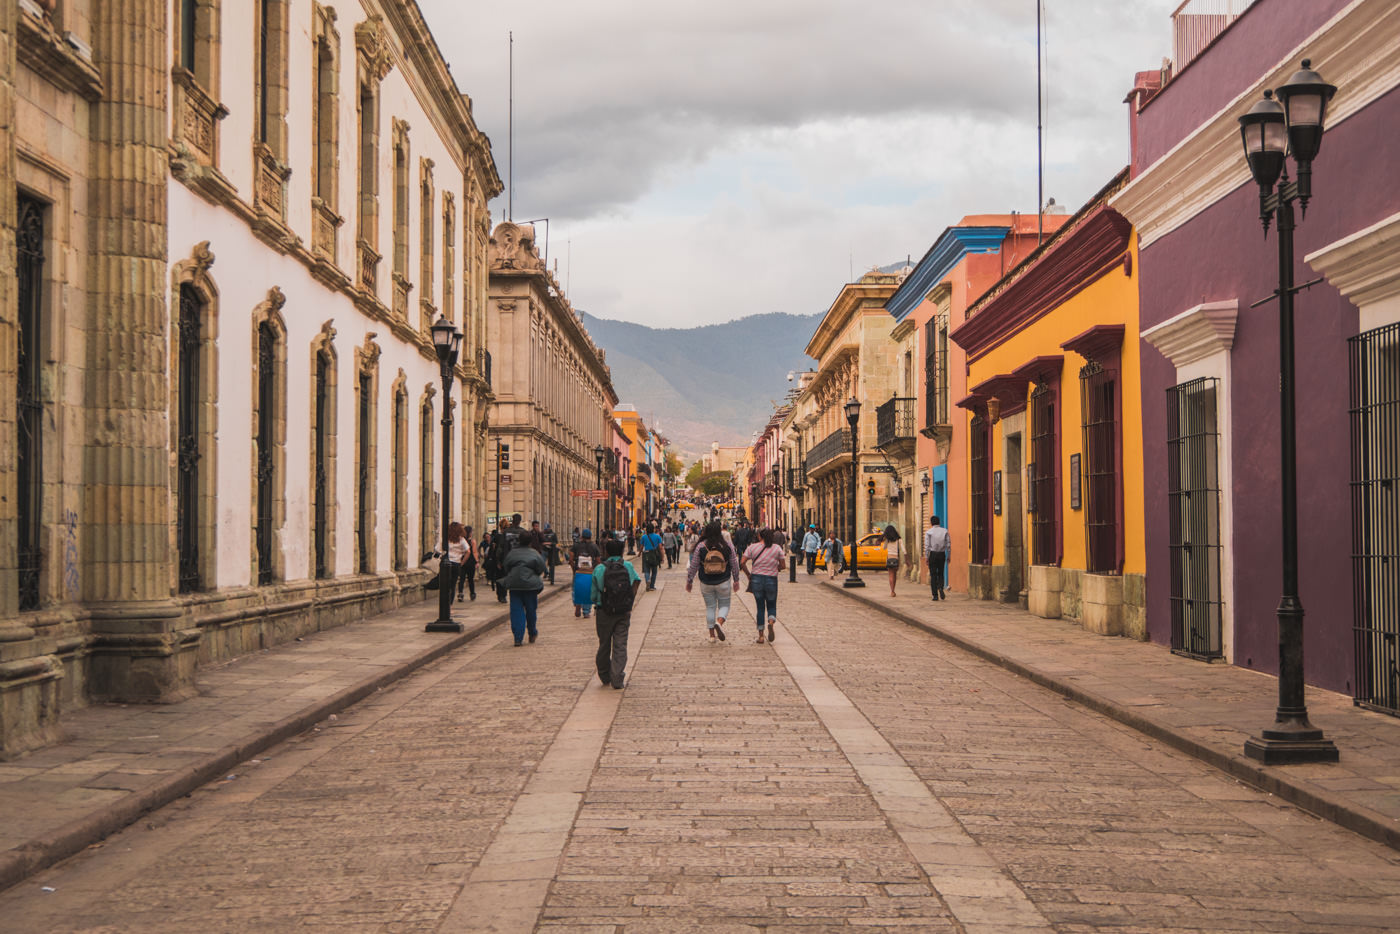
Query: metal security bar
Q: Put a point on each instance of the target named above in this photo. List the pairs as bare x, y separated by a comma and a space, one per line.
1045, 532
1375, 515
187, 443
894, 421
1193, 497
29, 241
941, 398
364, 474
267, 359
1099, 392
322, 492
979, 445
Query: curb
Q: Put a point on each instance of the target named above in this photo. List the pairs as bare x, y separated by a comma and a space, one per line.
1317, 801
23, 861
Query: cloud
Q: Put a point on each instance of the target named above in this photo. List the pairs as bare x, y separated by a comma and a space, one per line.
707, 161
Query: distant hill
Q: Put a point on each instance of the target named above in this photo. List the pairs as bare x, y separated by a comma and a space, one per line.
705, 384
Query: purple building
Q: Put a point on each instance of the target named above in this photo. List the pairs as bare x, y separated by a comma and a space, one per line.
1210, 367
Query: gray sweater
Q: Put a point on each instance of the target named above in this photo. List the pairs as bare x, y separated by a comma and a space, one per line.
523, 567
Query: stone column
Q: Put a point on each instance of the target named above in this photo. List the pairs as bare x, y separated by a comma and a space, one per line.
138, 650
9, 556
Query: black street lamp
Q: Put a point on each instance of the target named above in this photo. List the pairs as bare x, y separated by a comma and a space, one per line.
853, 419
1270, 133
598, 485
447, 341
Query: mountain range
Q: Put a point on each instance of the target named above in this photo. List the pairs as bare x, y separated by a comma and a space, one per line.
719, 382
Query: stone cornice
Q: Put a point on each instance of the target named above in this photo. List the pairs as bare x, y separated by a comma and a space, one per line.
854, 298
1077, 256
1196, 333
1365, 267
46, 53
1355, 49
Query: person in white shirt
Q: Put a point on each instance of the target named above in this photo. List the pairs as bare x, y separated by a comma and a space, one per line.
937, 545
811, 542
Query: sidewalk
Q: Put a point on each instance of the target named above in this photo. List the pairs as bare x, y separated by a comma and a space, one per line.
1205, 710
120, 761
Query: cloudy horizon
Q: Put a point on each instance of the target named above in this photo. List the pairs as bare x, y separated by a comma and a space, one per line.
710, 162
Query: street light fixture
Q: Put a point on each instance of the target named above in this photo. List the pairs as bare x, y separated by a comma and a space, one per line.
853, 419
447, 341
1270, 132
598, 485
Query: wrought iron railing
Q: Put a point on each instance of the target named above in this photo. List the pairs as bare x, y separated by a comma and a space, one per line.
828, 449
796, 478
894, 421
1193, 518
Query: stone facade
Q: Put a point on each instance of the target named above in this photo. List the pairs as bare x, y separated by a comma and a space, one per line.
553, 392
195, 317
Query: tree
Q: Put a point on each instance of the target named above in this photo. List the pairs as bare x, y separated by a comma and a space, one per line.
673, 465
693, 475
716, 484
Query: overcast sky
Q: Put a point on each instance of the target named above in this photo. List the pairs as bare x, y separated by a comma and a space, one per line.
706, 160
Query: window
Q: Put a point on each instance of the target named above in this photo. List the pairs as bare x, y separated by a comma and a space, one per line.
265, 465
29, 236
1044, 505
325, 200
426, 215
189, 52
400, 208
1193, 515
400, 455
323, 460
1099, 391
364, 473
368, 200
270, 108
449, 255
187, 451
427, 509
942, 399
1375, 510
980, 457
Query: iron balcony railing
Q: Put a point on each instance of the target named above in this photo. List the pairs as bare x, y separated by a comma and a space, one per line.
796, 479
894, 421
828, 449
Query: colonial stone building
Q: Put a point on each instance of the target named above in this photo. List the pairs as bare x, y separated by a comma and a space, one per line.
237, 221
551, 424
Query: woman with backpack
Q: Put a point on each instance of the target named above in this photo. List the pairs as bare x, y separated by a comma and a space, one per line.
713, 560
762, 561
894, 554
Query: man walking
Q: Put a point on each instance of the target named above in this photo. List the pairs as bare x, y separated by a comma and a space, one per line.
551, 550
810, 543
615, 584
937, 544
742, 537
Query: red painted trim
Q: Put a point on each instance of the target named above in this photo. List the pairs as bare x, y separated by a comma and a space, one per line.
1009, 391
1044, 367
1091, 249
1097, 343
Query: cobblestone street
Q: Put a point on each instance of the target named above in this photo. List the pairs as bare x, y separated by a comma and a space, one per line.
856, 773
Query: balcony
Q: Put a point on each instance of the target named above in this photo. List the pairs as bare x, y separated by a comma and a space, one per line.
894, 423
796, 479
829, 453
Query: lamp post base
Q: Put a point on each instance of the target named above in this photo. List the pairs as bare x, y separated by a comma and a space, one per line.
443, 625
1290, 744
854, 582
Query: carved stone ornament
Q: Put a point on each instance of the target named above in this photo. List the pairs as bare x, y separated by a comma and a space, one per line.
371, 350
429, 390
372, 43
327, 330
276, 298
513, 247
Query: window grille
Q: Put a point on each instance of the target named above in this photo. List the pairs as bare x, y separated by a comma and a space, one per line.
1375, 515
941, 396
1045, 531
187, 443
364, 475
1193, 495
1099, 394
267, 356
322, 484
979, 446
29, 237
930, 373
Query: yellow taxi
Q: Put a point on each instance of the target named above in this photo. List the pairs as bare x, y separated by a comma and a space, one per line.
870, 552
685, 505
727, 506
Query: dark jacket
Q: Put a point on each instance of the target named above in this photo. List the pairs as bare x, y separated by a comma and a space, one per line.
522, 569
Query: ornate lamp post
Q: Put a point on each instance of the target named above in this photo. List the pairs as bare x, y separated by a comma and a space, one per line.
598, 485
447, 341
1270, 133
853, 419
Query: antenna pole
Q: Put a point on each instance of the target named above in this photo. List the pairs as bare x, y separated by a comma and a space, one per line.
510, 148
1039, 139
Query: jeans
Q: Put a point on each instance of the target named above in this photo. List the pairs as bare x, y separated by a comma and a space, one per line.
522, 613
466, 574
649, 572
936, 560
765, 596
716, 598
811, 562
612, 645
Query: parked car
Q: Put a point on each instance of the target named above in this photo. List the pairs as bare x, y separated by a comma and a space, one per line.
870, 550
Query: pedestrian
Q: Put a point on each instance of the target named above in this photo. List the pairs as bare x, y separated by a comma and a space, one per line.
584, 559
834, 555
937, 546
495, 552
714, 561
613, 592
692, 538
632, 539
551, 550
467, 575
522, 579
762, 561
668, 544
454, 555
536, 536
651, 555
894, 554
810, 543
743, 536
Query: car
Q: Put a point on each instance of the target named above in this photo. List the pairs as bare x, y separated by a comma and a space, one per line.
870, 551
685, 505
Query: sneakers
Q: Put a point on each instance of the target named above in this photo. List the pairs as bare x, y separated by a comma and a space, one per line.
770, 631
533, 637
719, 630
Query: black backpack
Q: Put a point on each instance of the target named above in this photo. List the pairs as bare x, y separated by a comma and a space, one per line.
617, 588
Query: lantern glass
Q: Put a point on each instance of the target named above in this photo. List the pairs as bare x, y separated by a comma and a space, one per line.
853, 410
442, 333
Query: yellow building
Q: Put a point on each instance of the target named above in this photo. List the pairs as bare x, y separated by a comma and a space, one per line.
638, 493
1054, 420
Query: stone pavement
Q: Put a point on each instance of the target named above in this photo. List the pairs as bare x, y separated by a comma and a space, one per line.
1207, 710
858, 773
118, 761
